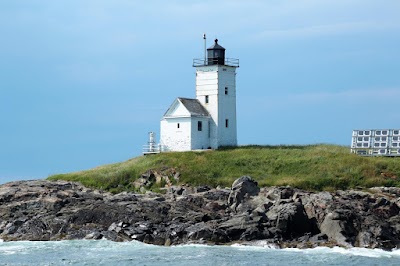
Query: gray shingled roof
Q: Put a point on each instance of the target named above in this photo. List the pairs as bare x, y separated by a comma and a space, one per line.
194, 107
216, 46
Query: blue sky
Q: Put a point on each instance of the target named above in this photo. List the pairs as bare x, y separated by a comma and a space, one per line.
83, 81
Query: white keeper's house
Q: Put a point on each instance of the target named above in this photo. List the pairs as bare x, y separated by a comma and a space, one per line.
209, 120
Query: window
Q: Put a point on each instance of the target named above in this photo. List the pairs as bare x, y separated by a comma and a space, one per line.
395, 138
366, 132
226, 90
361, 133
383, 144
382, 151
199, 126
177, 125
376, 144
384, 138
365, 144
378, 132
206, 99
377, 138
396, 132
224, 69
366, 138
359, 144
359, 138
226, 122
394, 144
384, 132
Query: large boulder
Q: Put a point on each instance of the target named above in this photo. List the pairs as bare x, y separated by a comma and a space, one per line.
339, 227
291, 219
242, 189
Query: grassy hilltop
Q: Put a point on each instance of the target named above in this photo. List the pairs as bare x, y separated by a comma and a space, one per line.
311, 167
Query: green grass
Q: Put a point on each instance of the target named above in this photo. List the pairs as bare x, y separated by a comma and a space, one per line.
311, 167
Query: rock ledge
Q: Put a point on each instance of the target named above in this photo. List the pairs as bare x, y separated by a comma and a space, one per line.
281, 216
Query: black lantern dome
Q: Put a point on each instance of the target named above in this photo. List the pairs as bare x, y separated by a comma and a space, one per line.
216, 54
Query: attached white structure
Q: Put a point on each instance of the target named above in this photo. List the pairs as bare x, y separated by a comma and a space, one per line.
209, 121
185, 126
376, 142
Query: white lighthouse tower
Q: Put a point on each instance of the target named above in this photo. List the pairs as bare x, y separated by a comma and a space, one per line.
209, 121
216, 91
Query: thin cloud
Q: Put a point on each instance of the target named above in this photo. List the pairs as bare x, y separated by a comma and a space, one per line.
354, 97
330, 29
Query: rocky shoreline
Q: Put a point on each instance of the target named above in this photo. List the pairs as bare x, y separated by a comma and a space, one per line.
282, 216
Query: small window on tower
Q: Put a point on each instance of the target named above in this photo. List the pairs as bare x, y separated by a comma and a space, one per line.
178, 126
226, 90
226, 122
206, 100
199, 126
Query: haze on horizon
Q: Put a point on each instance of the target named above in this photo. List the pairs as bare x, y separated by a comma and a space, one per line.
82, 82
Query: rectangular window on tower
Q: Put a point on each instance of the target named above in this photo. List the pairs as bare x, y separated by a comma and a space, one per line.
199, 126
206, 99
226, 122
226, 90
178, 126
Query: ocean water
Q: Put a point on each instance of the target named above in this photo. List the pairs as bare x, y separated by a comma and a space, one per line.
103, 252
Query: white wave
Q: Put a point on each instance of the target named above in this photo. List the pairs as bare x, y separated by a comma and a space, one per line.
192, 245
8, 249
363, 252
259, 244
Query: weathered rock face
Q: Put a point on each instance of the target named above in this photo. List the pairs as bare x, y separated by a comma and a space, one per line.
242, 189
44, 210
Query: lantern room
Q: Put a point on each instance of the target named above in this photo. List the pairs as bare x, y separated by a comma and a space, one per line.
216, 54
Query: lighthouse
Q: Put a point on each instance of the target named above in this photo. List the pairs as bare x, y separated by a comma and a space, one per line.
209, 120
216, 91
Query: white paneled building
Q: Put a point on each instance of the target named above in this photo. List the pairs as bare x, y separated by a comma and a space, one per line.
209, 121
376, 142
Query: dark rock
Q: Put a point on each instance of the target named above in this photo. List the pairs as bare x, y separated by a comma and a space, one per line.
338, 230
202, 189
291, 218
44, 210
286, 193
242, 189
